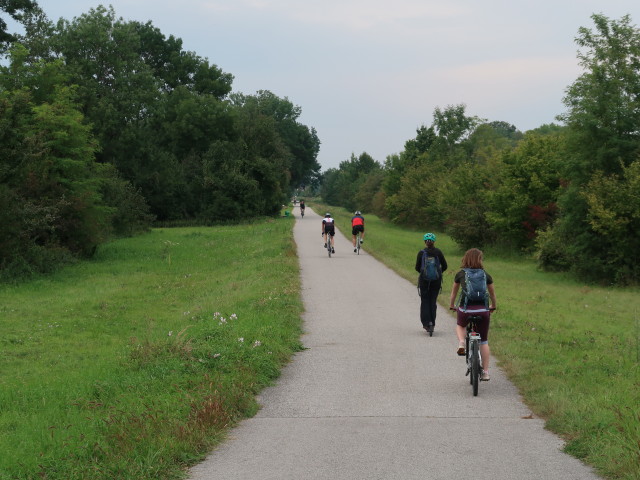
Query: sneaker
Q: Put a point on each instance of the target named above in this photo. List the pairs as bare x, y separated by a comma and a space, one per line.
361, 242
333, 250
325, 245
485, 376
355, 250
461, 349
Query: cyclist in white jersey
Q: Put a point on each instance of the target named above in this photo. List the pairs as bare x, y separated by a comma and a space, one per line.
328, 230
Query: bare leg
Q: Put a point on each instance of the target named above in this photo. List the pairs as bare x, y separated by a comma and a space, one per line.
486, 356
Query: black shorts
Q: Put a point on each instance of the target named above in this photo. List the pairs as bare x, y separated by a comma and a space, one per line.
357, 228
330, 231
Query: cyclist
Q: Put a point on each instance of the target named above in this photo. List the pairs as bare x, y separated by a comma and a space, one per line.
429, 289
302, 207
328, 230
473, 259
357, 225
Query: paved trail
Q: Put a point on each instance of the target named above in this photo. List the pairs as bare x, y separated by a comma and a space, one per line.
373, 397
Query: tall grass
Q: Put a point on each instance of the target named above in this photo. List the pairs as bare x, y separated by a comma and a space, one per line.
134, 364
573, 350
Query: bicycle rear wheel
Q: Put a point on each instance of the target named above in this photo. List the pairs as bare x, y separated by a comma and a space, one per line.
475, 368
358, 243
329, 245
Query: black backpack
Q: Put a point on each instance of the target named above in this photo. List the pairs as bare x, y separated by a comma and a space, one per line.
430, 270
475, 287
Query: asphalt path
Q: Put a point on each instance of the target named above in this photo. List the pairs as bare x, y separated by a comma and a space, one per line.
374, 397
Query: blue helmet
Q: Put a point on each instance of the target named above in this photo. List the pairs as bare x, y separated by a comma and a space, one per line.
429, 236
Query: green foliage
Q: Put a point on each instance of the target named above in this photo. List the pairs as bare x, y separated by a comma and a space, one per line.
16, 9
603, 121
52, 188
160, 115
614, 213
464, 199
525, 200
416, 202
341, 186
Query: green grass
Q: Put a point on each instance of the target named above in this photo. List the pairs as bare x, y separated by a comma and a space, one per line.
573, 350
123, 367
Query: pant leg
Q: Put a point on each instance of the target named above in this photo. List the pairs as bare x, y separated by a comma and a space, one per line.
428, 303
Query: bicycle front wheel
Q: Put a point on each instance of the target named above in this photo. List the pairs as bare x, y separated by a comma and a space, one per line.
475, 368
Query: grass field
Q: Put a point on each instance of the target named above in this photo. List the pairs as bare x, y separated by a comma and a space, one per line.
573, 350
134, 364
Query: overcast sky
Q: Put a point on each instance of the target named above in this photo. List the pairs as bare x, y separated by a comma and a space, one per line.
368, 73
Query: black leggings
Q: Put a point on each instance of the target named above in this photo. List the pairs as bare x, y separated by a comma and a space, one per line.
428, 304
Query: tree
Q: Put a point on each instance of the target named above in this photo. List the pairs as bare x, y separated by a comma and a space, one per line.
302, 142
16, 10
614, 213
525, 200
56, 200
603, 115
603, 136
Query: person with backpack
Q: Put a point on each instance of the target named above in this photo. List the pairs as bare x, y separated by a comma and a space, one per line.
477, 295
430, 264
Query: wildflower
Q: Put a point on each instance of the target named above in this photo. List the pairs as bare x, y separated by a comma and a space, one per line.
171, 333
241, 339
233, 316
257, 343
216, 355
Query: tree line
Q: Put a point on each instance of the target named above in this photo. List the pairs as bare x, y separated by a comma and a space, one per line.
107, 125
568, 193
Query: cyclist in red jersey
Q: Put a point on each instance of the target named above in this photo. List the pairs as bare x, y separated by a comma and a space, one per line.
357, 225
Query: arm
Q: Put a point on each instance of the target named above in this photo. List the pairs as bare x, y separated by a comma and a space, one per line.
492, 295
454, 293
443, 262
419, 261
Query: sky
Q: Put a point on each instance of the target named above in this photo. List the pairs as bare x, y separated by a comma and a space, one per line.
367, 73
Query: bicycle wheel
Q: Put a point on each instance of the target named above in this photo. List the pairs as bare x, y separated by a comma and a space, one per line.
358, 243
329, 245
475, 368
468, 358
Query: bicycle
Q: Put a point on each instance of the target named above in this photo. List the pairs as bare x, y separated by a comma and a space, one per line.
472, 352
328, 244
302, 212
358, 243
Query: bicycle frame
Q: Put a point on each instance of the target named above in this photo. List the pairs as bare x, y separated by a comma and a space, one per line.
472, 353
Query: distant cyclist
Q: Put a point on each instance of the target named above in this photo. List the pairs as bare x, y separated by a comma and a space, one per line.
357, 225
302, 207
328, 230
